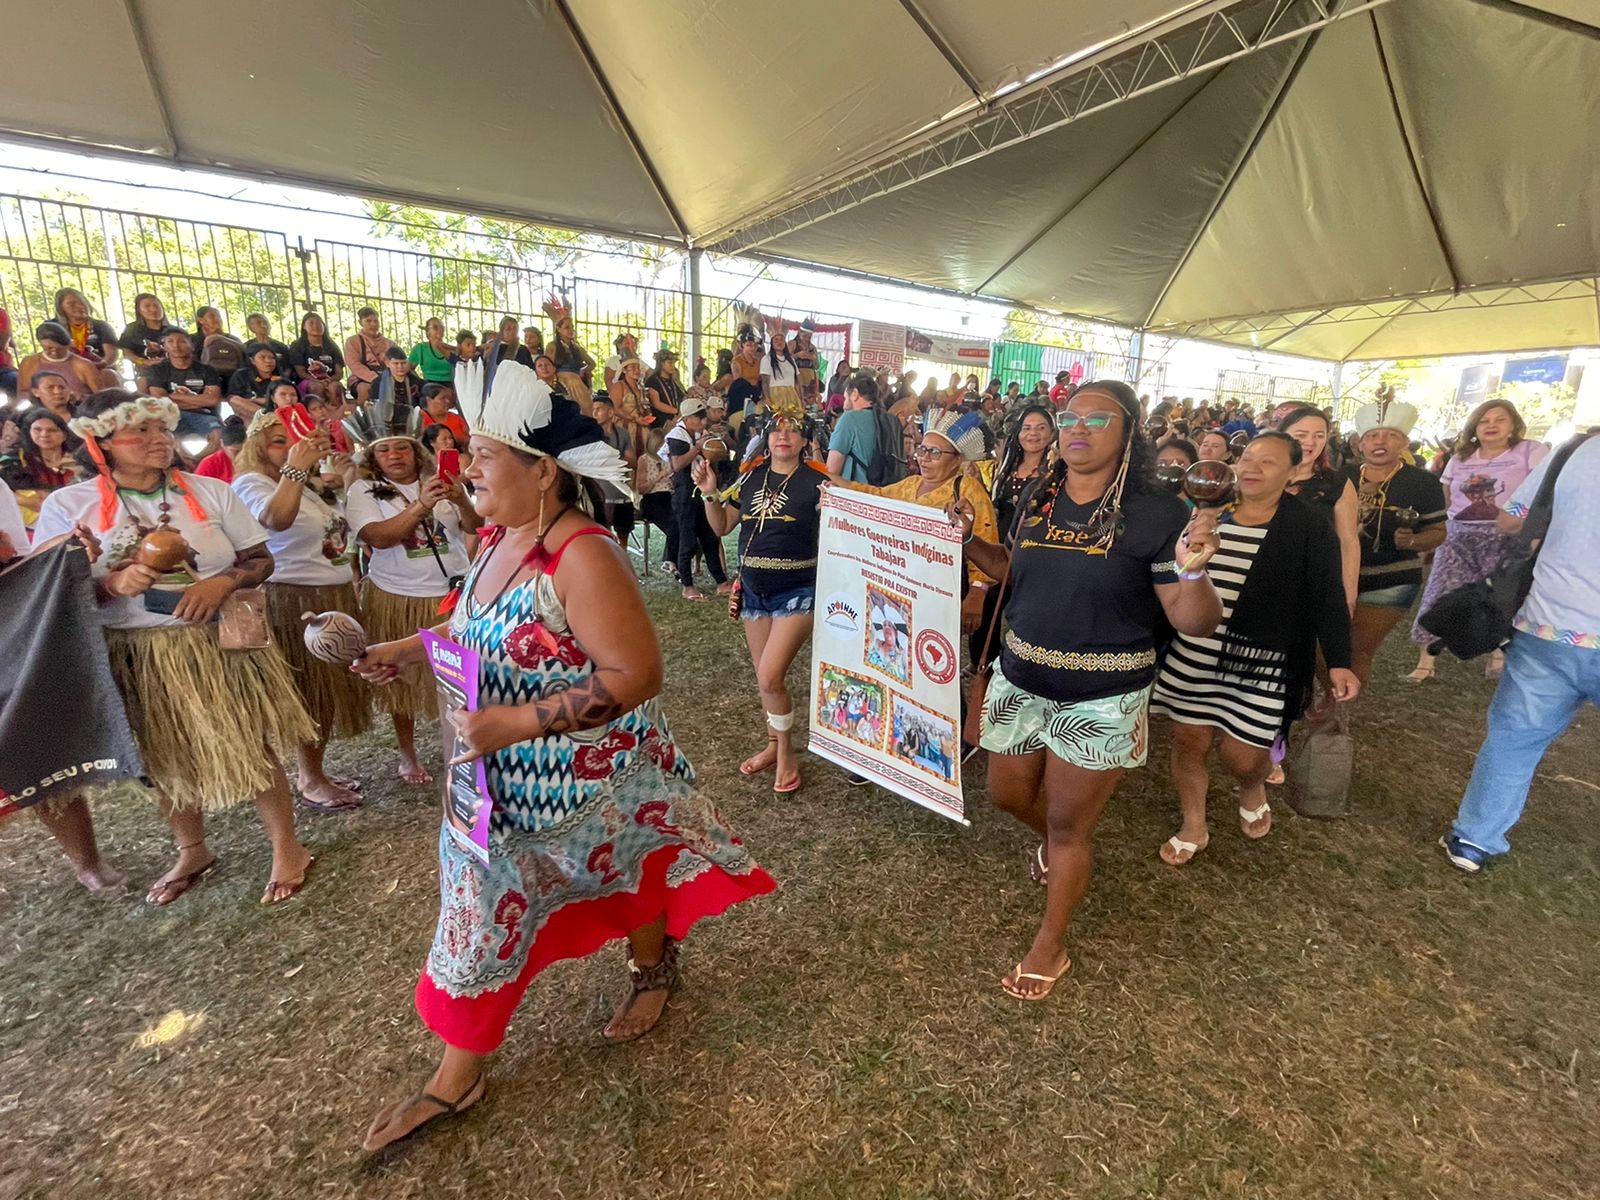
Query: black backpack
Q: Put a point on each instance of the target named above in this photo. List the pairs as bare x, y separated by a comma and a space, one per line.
888, 463
1476, 617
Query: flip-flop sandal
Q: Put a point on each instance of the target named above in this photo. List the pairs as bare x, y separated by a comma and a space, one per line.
1275, 777
1179, 846
294, 888
1249, 816
446, 1109
331, 806
785, 789
771, 741
1038, 868
1018, 975
353, 785
182, 883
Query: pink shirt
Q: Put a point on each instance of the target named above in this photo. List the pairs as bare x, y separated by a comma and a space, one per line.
1478, 489
364, 356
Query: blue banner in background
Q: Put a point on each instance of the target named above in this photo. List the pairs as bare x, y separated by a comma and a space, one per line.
1473, 387
1550, 368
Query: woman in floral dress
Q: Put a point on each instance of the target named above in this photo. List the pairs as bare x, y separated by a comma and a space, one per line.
597, 832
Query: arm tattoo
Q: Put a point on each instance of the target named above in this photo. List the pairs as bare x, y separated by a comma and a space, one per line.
586, 705
251, 568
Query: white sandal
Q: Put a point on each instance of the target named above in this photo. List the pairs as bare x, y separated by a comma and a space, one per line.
1249, 816
1179, 846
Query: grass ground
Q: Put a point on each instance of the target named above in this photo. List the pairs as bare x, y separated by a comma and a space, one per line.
1331, 1012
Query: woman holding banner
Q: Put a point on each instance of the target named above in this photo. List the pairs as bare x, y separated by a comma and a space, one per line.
597, 833
775, 504
303, 514
1099, 555
209, 721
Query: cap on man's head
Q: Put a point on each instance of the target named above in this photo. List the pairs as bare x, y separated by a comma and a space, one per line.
692, 407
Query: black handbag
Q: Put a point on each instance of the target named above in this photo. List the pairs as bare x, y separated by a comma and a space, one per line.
1476, 617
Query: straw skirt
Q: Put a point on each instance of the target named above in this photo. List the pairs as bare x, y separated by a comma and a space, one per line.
338, 699
204, 716
388, 618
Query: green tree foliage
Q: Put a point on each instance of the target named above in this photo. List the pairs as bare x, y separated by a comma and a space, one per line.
1023, 325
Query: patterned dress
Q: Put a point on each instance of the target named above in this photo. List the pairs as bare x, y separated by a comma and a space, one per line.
593, 834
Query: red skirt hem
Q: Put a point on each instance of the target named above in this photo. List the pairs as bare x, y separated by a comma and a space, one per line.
477, 1024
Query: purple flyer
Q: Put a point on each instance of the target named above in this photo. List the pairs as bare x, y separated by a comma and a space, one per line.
467, 807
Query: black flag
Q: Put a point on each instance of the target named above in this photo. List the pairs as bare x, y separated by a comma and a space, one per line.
62, 724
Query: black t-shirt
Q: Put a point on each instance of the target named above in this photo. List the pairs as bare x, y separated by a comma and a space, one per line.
779, 523
1383, 564
278, 349
139, 340
196, 377
678, 442
516, 351
100, 336
327, 358
245, 382
1082, 620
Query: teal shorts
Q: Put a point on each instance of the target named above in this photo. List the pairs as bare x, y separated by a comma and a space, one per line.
1098, 735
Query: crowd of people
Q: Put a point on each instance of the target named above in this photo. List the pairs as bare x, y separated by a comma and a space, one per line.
485, 488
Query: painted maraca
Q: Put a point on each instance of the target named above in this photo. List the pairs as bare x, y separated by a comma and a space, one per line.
334, 637
1209, 482
163, 549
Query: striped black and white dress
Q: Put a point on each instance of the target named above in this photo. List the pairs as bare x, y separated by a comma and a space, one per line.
1192, 690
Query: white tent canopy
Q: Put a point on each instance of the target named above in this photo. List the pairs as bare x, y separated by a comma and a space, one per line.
1335, 178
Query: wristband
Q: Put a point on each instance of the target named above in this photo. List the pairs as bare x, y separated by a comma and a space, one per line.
1191, 576
298, 474
970, 534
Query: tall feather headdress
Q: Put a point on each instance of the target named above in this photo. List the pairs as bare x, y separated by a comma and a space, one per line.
519, 410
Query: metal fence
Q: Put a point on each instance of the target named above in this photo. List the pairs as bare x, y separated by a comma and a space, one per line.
112, 255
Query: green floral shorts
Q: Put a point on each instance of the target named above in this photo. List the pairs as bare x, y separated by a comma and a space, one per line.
1098, 735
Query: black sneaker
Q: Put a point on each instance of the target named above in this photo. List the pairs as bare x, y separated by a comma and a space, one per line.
855, 780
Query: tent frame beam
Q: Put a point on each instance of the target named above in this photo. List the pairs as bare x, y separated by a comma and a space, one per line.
1408, 142
1234, 171
157, 92
945, 49
1162, 56
1554, 20
564, 8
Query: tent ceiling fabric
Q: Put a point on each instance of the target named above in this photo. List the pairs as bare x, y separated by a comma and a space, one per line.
1326, 195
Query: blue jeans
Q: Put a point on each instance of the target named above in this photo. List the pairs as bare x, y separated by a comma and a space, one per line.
1544, 685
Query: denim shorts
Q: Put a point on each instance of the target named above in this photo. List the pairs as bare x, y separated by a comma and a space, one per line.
753, 606
1397, 595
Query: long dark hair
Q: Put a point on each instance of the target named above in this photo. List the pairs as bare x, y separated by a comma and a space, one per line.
28, 450
306, 337
788, 355
138, 317
1011, 451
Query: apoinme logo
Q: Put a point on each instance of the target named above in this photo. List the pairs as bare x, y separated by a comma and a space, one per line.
838, 613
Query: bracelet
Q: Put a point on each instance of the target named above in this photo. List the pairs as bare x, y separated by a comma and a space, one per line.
970, 535
1191, 576
298, 474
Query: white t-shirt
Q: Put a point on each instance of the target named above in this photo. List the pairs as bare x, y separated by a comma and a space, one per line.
215, 542
312, 552
1564, 603
13, 530
783, 375
409, 569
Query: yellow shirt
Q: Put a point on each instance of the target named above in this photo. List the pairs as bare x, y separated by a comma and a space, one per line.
985, 525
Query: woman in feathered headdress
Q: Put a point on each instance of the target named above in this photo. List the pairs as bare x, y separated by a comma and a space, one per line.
574, 366
597, 832
951, 443
775, 504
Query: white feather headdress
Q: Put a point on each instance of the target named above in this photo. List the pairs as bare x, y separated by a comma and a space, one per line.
520, 411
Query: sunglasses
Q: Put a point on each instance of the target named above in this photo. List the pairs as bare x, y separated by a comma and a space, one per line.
1094, 422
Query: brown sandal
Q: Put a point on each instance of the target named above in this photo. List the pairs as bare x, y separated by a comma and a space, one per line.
446, 1108
663, 976
173, 889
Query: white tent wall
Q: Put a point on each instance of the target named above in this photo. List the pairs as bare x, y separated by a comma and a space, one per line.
1338, 178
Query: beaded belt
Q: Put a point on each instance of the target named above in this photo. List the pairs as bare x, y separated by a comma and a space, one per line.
776, 564
1074, 660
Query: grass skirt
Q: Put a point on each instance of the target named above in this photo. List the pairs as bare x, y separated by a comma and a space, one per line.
203, 716
388, 618
339, 701
576, 389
